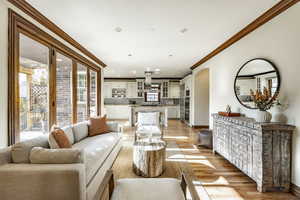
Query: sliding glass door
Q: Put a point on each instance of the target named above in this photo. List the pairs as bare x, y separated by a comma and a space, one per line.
82, 91
93, 93
33, 95
64, 83
49, 83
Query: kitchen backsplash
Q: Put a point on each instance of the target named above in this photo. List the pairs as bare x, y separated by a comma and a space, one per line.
139, 101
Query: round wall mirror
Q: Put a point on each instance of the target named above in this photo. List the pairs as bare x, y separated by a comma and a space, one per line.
256, 74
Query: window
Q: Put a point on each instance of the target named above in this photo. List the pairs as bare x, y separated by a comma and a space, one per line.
33, 94
64, 109
93, 93
152, 97
47, 83
81, 93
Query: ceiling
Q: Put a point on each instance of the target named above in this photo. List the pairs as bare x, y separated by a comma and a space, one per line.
170, 35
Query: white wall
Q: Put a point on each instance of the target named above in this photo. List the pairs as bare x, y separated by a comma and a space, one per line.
201, 98
278, 41
4, 5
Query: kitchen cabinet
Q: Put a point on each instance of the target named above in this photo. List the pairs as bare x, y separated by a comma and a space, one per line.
118, 85
140, 88
107, 90
174, 90
131, 90
165, 89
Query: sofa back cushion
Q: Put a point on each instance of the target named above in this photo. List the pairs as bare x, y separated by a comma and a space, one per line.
39, 155
20, 152
81, 131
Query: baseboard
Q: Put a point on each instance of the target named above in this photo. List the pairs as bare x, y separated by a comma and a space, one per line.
295, 190
200, 126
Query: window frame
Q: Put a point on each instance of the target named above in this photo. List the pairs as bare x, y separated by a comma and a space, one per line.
19, 25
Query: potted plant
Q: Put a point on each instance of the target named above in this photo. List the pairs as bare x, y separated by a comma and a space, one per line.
263, 102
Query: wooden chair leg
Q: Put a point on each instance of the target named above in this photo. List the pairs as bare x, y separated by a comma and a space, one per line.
187, 183
107, 186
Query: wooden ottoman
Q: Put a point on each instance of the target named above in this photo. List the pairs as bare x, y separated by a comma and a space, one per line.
149, 157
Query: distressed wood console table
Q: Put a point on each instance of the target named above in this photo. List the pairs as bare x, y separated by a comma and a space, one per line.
260, 150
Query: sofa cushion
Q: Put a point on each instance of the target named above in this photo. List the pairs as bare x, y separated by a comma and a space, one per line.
148, 189
39, 155
96, 150
98, 126
80, 131
20, 152
69, 132
113, 126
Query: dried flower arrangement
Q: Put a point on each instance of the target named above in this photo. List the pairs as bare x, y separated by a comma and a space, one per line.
262, 100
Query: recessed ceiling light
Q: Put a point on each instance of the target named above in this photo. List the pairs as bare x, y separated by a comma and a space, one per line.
183, 30
58, 59
118, 29
157, 70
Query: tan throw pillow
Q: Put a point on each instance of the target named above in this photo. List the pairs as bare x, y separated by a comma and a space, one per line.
98, 126
59, 137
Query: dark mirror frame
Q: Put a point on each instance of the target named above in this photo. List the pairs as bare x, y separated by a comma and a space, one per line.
278, 86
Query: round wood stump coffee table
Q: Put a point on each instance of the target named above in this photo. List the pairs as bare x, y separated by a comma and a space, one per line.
149, 157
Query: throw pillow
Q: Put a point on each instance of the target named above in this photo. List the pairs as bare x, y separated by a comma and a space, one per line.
58, 139
98, 126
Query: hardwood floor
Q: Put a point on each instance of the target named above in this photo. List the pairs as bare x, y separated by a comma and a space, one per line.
214, 177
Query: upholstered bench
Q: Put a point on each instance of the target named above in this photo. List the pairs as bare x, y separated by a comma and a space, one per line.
148, 188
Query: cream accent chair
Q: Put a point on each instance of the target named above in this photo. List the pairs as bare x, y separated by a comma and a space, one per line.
148, 188
148, 125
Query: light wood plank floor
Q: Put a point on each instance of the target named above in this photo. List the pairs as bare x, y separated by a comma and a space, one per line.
214, 177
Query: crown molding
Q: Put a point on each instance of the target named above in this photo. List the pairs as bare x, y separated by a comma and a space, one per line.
261, 20
39, 17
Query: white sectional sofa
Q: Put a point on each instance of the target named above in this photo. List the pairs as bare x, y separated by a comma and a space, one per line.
22, 180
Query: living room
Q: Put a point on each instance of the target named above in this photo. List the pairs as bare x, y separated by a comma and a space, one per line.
116, 100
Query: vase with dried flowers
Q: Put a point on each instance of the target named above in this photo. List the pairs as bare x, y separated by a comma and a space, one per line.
263, 101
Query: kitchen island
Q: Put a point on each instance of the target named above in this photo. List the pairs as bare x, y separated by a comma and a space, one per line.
134, 109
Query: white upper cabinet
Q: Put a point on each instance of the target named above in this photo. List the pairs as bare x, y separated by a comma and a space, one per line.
131, 90
118, 85
140, 88
174, 90
165, 89
107, 89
